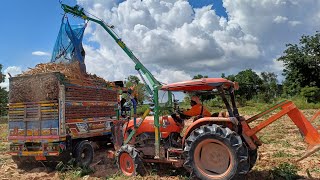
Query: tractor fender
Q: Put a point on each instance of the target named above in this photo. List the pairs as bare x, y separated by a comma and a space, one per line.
207, 120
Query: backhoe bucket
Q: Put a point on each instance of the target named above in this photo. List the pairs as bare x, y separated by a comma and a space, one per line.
308, 131
314, 117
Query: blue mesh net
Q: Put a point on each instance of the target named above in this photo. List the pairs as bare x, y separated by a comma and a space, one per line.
68, 47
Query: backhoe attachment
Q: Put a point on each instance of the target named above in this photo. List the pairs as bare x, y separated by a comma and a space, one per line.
314, 117
308, 131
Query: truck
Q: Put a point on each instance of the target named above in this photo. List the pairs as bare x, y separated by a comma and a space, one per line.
53, 119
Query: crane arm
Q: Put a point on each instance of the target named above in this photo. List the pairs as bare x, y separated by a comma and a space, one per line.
153, 86
79, 12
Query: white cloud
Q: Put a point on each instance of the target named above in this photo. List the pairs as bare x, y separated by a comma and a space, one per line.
294, 23
280, 19
176, 42
13, 71
40, 53
171, 75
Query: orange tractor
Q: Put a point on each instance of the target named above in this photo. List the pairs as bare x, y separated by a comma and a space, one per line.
211, 147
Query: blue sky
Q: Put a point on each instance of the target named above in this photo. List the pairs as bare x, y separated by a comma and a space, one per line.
33, 25
28, 26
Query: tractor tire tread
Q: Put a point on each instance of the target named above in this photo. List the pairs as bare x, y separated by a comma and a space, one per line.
133, 152
224, 133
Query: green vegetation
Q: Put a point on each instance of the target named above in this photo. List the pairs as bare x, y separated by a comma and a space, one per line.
280, 154
3, 95
312, 94
284, 171
141, 109
71, 171
75, 173
302, 65
138, 88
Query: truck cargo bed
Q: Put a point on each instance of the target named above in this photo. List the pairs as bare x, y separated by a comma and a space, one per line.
46, 109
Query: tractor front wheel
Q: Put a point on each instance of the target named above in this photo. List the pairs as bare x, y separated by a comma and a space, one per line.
214, 152
129, 161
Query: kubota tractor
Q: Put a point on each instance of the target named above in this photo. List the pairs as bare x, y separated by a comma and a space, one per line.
211, 147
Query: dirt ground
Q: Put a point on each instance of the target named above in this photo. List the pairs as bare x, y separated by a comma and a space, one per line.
282, 143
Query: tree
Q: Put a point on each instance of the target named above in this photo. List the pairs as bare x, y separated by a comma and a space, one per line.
269, 86
249, 83
312, 94
302, 64
231, 77
199, 76
3, 95
139, 88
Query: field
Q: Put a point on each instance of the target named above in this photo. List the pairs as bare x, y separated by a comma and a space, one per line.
282, 145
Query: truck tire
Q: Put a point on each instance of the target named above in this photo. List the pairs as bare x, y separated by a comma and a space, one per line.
84, 153
214, 152
129, 161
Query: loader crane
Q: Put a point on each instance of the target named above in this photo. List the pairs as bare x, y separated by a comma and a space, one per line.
155, 85
211, 147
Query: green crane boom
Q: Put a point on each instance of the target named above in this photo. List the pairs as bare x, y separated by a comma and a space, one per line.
155, 84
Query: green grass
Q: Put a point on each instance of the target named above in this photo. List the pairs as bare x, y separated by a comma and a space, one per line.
285, 144
281, 154
69, 170
285, 171
303, 104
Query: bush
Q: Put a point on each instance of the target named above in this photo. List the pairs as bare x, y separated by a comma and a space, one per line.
302, 103
312, 94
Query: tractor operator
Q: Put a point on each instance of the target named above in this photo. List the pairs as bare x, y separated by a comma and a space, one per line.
197, 109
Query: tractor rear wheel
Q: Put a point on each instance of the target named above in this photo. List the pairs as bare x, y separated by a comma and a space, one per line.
129, 161
215, 152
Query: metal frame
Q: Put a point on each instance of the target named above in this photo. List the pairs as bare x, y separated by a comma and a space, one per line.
310, 133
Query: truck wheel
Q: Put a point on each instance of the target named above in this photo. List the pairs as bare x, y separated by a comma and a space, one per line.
84, 153
129, 161
215, 152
